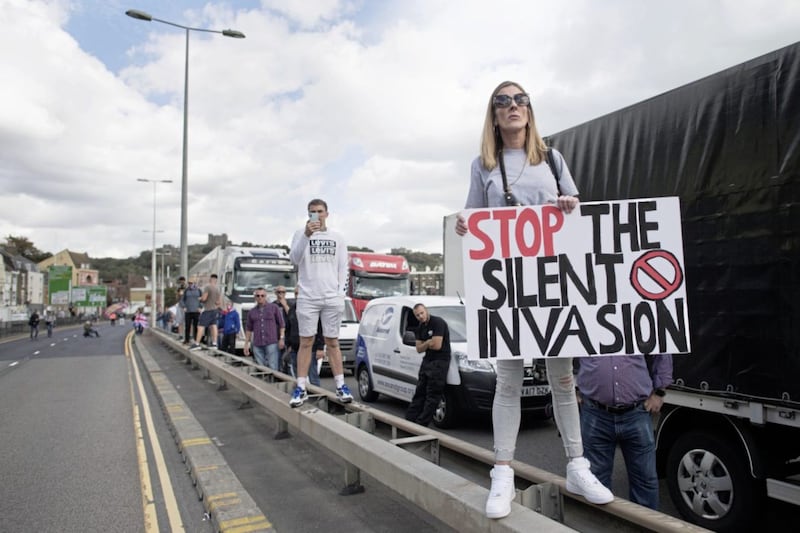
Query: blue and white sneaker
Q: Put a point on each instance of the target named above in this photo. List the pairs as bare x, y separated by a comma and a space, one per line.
344, 395
299, 396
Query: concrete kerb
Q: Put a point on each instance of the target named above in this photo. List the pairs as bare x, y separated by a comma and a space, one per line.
229, 505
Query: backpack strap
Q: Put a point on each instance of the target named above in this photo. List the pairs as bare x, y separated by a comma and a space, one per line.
551, 162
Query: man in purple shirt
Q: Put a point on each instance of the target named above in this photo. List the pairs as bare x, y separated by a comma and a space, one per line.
264, 331
618, 395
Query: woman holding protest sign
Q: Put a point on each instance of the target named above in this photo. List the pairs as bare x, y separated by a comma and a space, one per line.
515, 168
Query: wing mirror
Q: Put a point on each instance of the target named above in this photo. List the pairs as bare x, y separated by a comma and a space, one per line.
409, 339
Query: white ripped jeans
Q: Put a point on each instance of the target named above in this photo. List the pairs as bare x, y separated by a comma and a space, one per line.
507, 406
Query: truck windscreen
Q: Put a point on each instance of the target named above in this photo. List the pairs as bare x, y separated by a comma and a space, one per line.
249, 280
369, 288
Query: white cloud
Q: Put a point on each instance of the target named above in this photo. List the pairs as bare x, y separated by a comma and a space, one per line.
374, 106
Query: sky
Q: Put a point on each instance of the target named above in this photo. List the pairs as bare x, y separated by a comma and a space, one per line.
376, 106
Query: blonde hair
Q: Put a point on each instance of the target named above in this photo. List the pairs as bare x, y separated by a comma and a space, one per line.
491, 143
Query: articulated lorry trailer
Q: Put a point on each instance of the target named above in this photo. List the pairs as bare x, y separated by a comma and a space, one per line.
729, 146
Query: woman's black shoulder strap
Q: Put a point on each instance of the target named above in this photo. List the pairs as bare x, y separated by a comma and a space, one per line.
551, 162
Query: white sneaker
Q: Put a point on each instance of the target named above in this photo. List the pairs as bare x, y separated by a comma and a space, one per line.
502, 492
580, 480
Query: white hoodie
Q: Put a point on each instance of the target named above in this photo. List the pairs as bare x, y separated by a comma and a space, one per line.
321, 262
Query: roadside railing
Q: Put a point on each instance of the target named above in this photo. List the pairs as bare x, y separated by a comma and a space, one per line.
431, 469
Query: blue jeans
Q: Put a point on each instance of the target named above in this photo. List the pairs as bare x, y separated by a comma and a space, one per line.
633, 432
268, 356
313, 375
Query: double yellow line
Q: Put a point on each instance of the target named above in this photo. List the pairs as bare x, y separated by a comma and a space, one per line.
148, 502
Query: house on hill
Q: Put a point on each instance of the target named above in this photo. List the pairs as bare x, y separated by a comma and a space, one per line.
82, 271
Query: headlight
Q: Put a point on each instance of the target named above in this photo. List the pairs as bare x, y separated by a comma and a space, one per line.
472, 365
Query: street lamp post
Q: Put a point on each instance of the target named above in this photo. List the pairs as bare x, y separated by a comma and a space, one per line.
153, 262
141, 15
163, 279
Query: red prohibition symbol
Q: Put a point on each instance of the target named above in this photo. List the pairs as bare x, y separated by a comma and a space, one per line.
668, 276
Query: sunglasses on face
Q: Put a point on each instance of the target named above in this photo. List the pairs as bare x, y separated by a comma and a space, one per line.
280, 292
504, 100
261, 295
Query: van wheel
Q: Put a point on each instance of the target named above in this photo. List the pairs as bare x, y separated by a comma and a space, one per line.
709, 483
365, 390
446, 415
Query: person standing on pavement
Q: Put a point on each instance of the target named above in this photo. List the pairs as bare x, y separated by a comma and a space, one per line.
293, 344
211, 300
264, 333
33, 322
50, 322
433, 338
231, 326
190, 304
510, 140
283, 305
320, 256
618, 396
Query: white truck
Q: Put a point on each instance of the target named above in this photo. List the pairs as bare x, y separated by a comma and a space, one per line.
241, 270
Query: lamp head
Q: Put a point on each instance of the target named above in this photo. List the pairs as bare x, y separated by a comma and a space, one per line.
141, 15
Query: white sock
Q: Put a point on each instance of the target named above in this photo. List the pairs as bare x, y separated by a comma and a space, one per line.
339, 379
301, 382
503, 467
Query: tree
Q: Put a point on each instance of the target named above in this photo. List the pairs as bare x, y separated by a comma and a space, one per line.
20, 245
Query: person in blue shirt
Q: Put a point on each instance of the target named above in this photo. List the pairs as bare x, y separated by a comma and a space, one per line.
230, 325
618, 396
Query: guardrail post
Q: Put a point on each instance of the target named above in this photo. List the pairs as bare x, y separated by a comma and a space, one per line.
545, 499
421, 442
352, 474
352, 480
282, 431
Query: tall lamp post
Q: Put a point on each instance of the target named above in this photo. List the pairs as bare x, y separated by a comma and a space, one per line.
153, 262
163, 279
141, 15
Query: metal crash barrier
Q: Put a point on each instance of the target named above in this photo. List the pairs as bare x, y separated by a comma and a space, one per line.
408, 458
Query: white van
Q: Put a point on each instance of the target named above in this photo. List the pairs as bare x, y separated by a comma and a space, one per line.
387, 361
348, 331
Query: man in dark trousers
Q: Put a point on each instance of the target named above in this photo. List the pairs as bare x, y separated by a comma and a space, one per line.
433, 338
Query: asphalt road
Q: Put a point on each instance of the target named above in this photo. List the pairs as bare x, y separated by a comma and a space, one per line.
68, 442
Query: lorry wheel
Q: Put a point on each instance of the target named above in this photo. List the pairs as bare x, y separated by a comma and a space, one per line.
365, 385
709, 483
446, 415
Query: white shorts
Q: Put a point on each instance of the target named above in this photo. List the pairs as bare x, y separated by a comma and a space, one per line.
329, 311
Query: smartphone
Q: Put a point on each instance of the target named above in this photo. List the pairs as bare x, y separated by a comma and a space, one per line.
313, 217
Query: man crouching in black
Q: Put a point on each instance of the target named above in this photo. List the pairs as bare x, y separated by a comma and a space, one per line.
433, 338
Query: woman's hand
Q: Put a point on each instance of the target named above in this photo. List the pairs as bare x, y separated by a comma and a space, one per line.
461, 225
567, 203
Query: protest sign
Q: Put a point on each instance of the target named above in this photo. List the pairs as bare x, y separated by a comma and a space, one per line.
606, 279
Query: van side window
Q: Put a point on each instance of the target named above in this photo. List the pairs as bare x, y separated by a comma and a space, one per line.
409, 322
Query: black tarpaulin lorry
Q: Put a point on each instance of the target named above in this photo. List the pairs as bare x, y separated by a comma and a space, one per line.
729, 146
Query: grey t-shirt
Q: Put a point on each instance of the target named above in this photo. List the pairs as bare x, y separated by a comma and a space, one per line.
531, 185
212, 301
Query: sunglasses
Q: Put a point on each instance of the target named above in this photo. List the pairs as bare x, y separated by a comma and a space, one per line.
504, 100
261, 295
280, 292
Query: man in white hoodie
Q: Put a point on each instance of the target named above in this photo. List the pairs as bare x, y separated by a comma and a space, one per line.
321, 259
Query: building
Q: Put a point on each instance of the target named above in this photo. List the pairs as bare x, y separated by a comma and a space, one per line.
428, 281
82, 271
21, 287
